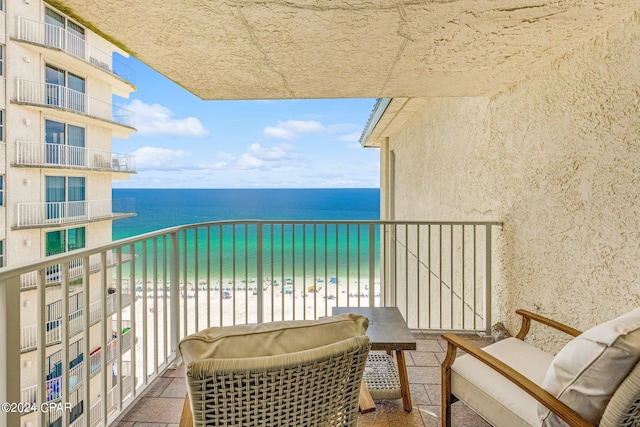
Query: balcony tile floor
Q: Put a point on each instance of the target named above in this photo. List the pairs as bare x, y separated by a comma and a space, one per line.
161, 404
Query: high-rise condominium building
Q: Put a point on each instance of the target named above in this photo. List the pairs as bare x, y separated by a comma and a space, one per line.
57, 121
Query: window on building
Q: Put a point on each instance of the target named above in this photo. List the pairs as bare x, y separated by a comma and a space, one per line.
64, 144
65, 89
64, 34
76, 238
1, 253
1, 125
56, 242
65, 196
1, 60
1, 190
60, 241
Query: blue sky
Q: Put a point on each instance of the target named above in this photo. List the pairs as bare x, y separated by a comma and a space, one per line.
184, 142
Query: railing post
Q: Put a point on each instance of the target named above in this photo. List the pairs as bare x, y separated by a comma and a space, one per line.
391, 288
260, 278
372, 265
10, 351
174, 301
487, 280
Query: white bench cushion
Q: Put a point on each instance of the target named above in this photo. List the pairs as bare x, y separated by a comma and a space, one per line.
491, 395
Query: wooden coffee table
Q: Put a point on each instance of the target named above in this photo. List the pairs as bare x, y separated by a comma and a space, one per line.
387, 331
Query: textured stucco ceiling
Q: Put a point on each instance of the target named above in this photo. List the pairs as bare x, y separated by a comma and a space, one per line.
249, 49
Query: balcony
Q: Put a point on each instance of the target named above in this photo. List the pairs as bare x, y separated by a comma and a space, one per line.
53, 324
76, 271
41, 154
73, 102
55, 214
53, 38
187, 278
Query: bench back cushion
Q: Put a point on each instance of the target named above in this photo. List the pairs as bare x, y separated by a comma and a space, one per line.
588, 370
270, 339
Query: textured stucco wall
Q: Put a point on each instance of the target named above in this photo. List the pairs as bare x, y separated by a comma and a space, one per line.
557, 159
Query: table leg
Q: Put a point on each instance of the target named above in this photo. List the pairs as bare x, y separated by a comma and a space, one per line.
365, 400
404, 380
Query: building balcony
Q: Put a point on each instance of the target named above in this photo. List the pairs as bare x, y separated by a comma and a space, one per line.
191, 277
41, 154
56, 41
72, 102
75, 325
76, 271
57, 214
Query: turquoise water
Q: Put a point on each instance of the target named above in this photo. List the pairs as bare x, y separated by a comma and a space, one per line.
287, 250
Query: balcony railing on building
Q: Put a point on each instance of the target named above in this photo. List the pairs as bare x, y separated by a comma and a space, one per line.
61, 97
46, 214
41, 154
55, 37
53, 276
156, 288
53, 322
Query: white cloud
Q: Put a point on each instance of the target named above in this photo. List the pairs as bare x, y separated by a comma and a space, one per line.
257, 157
351, 137
155, 119
159, 158
293, 128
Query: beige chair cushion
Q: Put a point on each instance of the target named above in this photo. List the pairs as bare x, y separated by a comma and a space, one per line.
270, 339
588, 370
491, 395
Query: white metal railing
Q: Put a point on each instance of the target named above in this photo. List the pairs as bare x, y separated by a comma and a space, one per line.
32, 153
95, 310
53, 331
70, 409
62, 97
95, 414
191, 277
40, 214
29, 394
55, 37
76, 270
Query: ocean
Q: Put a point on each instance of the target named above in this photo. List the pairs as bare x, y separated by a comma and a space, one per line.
161, 208
157, 209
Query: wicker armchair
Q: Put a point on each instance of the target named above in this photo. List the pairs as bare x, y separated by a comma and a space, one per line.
593, 380
298, 373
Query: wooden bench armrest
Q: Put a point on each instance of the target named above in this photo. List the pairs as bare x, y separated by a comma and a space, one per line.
454, 342
528, 316
186, 418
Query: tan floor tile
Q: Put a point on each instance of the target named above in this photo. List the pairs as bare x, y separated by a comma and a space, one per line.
419, 395
424, 358
150, 425
157, 387
428, 345
155, 410
430, 415
461, 415
435, 392
176, 388
424, 374
440, 357
178, 372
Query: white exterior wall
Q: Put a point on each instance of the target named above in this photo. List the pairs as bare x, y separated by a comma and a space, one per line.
556, 159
